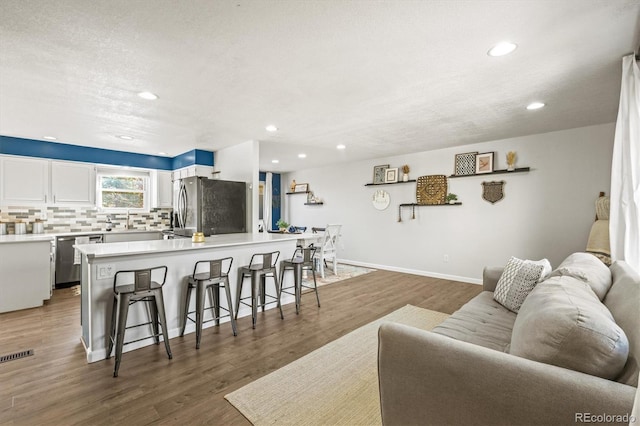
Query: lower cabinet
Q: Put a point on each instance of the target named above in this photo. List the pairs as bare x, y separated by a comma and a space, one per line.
25, 274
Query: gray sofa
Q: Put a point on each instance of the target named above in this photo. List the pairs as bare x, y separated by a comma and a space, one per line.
465, 370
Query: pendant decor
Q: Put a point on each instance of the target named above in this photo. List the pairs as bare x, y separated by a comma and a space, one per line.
431, 189
493, 191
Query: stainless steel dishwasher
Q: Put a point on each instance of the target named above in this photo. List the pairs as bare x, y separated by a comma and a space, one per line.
66, 270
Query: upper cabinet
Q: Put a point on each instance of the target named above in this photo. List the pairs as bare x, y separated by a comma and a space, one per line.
24, 181
197, 170
32, 181
73, 183
163, 193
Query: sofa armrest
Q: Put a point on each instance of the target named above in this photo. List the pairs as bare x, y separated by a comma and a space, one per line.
490, 277
427, 378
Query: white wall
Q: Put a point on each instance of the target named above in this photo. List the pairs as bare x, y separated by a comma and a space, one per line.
241, 163
546, 212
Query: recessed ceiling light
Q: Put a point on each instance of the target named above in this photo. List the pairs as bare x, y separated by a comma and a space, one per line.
275, 161
502, 48
162, 153
125, 137
535, 105
340, 146
271, 128
51, 138
302, 155
148, 96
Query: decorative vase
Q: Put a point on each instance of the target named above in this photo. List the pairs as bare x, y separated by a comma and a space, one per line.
405, 177
511, 168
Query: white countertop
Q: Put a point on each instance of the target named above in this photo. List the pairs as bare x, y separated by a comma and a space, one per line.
22, 238
26, 238
180, 244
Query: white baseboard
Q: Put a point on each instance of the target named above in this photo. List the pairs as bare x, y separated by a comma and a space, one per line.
413, 271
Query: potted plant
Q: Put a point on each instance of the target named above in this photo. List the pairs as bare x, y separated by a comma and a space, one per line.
282, 225
405, 173
451, 198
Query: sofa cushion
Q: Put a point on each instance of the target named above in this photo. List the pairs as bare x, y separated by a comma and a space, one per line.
622, 300
518, 279
588, 268
481, 321
563, 323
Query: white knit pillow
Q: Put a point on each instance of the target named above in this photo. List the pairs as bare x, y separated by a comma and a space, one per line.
518, 279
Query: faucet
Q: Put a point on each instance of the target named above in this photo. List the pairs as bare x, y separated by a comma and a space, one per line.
127, 224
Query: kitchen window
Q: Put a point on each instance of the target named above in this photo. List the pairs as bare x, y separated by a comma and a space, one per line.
122, 190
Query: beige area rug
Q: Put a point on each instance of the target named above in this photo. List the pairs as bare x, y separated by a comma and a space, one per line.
344, 272
336, 384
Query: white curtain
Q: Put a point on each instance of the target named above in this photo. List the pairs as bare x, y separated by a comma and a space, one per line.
624, 221
266, 201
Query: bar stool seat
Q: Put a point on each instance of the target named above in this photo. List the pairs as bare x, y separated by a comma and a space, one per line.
261, 266
303, 259
143, 289
217, 276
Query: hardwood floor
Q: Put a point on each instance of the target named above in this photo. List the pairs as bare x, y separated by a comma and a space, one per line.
56, 385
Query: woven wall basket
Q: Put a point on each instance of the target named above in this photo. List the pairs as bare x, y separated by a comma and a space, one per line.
431, 189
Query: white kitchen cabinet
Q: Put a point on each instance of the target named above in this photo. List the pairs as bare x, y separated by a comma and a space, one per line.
165, 189
25, 268
204, 171
73, 183
23, 181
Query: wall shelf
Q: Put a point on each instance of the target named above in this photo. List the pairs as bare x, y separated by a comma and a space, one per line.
428, 205
389, 183
495, 172
300, 192
414, 205
313, 204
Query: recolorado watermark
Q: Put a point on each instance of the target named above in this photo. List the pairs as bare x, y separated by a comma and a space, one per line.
604, 418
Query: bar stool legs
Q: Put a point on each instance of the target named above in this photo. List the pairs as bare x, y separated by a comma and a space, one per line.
143, 289
303, 259
262, 265
210, 282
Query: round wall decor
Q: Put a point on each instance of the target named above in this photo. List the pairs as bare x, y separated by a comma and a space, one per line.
381, 199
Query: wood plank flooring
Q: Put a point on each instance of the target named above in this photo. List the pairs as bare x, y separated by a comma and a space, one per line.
56, 386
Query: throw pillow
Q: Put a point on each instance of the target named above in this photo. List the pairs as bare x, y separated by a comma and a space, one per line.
517, 280
588, 268
562, 323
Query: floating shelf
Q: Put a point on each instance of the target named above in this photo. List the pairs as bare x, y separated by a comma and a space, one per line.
429, 205
389, 183
313, 204
495, 172
414, 205
300, 192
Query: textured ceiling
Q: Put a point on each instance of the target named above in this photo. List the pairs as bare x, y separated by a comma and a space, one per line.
381, 77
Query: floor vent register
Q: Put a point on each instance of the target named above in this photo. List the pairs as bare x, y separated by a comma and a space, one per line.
16, 355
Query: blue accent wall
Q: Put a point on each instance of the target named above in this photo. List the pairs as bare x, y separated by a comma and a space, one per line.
277, 205
276, 198
61, 151
195, 156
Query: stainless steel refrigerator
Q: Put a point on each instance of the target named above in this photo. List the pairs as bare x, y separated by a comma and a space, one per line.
211, 206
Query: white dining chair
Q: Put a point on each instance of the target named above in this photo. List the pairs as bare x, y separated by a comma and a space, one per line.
328, 249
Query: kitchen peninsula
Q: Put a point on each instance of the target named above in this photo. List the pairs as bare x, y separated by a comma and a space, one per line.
101, 261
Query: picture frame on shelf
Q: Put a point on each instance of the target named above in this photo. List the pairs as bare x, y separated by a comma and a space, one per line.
391, 175
465, 164
378, 173
484, 162
301, 187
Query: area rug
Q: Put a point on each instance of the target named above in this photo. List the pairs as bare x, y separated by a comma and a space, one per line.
344, 272
336, 384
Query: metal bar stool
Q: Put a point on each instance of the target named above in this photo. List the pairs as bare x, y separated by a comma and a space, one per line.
217, 276
261, 266
302, 260
143, 289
